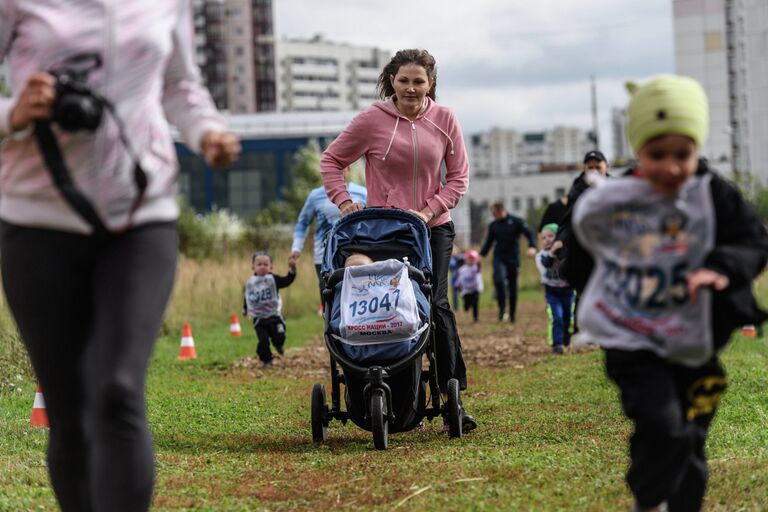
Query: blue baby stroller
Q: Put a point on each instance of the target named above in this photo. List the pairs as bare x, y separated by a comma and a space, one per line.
385, 384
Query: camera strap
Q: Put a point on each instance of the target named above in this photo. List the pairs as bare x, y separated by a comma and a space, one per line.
54, 162
62, 178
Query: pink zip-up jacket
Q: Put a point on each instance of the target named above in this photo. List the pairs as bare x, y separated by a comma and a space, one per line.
149, 73
402, 159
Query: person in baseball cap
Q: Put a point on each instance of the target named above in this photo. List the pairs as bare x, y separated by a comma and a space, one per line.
595, 155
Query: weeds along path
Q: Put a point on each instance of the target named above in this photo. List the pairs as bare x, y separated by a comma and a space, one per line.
487, 344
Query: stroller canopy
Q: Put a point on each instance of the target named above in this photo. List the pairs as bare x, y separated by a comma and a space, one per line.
381, 233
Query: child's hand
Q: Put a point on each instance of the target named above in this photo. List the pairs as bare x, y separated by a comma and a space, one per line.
531, 252
293, 258
705, 277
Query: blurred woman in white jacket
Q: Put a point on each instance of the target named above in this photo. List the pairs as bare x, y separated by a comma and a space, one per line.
87, 221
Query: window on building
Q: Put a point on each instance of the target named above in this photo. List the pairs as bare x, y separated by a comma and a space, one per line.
516, 204
544, 200
531, 203
713, 41
239, 51
559, 192
253, 184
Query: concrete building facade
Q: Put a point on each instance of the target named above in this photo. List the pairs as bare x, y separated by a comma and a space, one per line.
499, 153
320, 75
747, 23
235, 51
701, 53
723, 44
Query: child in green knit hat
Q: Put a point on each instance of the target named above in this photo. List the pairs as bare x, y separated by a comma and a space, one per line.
676, 249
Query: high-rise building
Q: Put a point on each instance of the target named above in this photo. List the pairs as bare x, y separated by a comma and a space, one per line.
235, 51
700, 52
747, 24
723, 45
320, 75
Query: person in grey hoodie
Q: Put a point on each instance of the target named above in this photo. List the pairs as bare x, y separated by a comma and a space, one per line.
87, 220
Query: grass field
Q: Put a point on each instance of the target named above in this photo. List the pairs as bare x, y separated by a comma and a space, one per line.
551, 436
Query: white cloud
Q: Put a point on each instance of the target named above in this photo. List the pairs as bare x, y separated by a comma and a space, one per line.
521, 64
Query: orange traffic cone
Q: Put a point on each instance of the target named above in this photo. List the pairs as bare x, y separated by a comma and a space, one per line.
234, 326
39, 418
187, 348
749, 330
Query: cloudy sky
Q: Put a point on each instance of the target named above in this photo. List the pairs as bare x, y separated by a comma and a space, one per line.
523, 64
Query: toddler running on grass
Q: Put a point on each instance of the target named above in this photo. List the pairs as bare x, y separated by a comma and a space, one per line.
263, 305
469, 280
676, 249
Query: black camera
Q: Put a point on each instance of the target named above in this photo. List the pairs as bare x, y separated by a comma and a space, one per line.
76, 106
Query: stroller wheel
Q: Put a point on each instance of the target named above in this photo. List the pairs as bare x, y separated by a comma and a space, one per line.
453, 409
379, 421
319, 414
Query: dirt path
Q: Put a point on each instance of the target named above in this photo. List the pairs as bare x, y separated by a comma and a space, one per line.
488, 343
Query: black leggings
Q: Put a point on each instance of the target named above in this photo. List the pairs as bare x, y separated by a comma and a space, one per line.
88, 310
450, 361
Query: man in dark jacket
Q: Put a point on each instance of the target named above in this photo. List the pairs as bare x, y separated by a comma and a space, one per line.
577, 263
505, 232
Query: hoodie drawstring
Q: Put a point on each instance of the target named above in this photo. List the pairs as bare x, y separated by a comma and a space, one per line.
391, 139
441, 131
397, 123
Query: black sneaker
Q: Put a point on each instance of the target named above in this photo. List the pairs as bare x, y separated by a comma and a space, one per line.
468, 423
280, 350
266, 365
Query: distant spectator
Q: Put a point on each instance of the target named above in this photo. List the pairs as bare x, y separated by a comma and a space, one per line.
577, 263
505, 231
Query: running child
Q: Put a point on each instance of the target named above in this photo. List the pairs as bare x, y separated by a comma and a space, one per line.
557, 292
470, 281
262, 303
676, 249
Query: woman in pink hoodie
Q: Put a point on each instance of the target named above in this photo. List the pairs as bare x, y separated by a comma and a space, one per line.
405, 139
